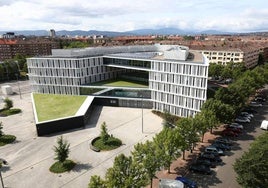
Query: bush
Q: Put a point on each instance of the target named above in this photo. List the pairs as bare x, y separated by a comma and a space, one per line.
65, 166
110, 144
10, 112
7, 139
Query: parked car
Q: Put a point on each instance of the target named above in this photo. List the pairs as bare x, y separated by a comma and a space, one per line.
205, 162
247, 115
225, 141
200, 169
228, 132
221, 146
255, 104
244, 117
241, 120
259, 99
250, 110
187, 182
210, 157
214, 150
236, 125
236, 130
264, 125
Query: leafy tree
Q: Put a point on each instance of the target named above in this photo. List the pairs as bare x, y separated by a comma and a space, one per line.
1, 127
223, 112
205, 120
146, 155
260, 59
25, 68
96, 182
126, 173
104, 133
21, 59
188, 133
61, 150
238, 70
215, 70
167, 119
252, 167
227, 72
8, 103
167, 146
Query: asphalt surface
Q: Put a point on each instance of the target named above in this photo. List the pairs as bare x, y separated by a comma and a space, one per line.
223, 175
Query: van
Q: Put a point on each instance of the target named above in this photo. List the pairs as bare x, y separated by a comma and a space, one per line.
264, 125
213, 150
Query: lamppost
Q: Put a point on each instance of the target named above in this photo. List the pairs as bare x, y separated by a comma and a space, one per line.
18, 84
141, 113
2, 161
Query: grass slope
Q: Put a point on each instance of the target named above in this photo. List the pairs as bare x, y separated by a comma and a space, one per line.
50, 106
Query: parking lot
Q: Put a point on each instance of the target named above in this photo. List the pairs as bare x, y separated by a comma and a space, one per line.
224, 176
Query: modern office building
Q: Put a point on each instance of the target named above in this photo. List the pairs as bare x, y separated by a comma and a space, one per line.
176, 77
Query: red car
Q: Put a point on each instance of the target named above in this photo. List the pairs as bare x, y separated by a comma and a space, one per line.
228, 132
236, 130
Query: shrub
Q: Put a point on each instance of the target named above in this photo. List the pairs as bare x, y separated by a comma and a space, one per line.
10, 112
65, 166
7, 139
110, 144
8, 103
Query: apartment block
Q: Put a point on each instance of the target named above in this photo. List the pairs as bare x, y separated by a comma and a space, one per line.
28, 47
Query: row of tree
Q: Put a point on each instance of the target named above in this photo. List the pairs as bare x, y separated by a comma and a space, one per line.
12, 69
149, 157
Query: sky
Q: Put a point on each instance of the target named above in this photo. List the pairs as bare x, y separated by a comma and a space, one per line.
127, 15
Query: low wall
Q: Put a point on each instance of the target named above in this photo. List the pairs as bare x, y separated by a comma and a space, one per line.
123, 102
49, 127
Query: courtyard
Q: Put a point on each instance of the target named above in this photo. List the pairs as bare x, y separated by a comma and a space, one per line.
30, 156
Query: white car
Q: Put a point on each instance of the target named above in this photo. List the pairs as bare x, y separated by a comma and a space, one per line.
247, 114
255, 104
241, 120
264, 125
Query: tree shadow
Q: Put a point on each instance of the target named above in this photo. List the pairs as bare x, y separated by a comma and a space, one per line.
5, 168
205, 181
81, 167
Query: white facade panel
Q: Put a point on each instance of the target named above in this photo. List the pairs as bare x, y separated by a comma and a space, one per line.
178, 86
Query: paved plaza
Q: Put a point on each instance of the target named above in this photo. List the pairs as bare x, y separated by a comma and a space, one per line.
31, 156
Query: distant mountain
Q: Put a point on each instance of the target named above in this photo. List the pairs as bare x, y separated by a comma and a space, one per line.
215, 32
28, 32
91, 32
160, 31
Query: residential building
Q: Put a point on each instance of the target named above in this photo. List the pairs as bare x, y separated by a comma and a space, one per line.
176, 76
28, 47
225, 54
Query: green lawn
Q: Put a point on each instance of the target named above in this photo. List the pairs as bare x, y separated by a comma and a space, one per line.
50, 106
120, 83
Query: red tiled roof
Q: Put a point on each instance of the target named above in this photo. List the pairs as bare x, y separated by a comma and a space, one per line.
8, 41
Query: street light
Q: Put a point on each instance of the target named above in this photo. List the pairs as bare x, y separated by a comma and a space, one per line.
141, 113
18, 84
2, 161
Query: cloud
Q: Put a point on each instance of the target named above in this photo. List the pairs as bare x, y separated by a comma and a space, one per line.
123, 15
